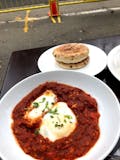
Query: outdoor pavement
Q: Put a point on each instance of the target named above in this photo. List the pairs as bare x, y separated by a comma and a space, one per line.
79, 22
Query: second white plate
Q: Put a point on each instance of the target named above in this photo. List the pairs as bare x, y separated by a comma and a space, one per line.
114, 62
97, 62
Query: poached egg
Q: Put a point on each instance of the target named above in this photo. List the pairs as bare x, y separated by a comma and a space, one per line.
57, 119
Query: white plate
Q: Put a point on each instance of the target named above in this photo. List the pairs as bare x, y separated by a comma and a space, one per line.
114, 62
108, 105
97, 62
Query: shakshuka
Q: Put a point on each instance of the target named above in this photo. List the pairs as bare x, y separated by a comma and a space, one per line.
56, 121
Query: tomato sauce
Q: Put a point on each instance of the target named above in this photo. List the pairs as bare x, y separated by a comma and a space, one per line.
77, 144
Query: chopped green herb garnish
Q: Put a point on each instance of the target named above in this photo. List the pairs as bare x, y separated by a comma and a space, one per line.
56, 125
43, 100
46, 107
52, 116
59, 125
55, 111
35, 104
68, 116
65, 121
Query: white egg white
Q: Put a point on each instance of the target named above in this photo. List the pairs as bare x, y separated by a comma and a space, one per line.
41, 105
60, 122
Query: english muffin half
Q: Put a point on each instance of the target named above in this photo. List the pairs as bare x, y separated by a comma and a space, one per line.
73, 65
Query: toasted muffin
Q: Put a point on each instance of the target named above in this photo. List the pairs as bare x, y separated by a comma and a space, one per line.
71, 55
